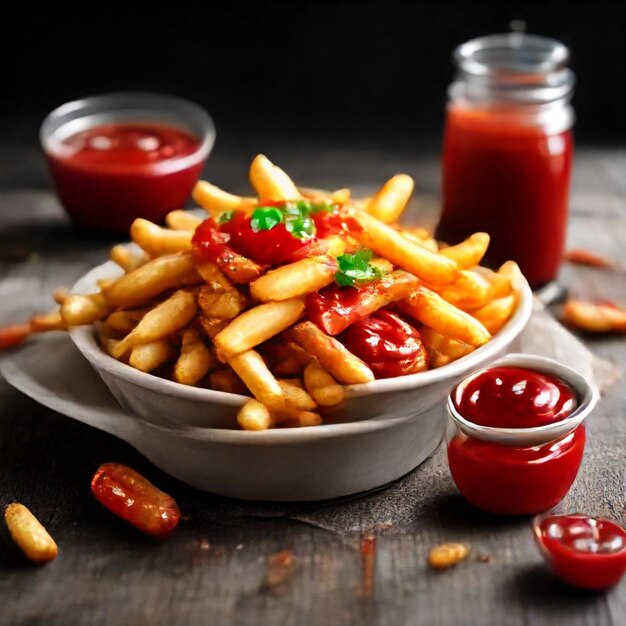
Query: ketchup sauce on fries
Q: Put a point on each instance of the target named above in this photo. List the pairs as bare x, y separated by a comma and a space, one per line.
108, 175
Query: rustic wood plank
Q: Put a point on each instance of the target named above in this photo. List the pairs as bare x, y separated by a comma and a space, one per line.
107, 574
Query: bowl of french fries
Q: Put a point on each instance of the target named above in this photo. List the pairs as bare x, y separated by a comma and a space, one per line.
236, 321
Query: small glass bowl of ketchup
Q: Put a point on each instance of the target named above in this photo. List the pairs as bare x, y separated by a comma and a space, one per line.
519, 435
120, 156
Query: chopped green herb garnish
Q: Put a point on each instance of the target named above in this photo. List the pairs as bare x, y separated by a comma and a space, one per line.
356, 268
225, 216
265, 218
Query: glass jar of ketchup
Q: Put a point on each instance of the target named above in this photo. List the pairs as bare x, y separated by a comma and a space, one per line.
120, 156
519, 435
507, 151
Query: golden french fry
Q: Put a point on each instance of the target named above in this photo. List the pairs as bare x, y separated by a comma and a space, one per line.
149, 356
512, 272
321, 385
125, 321
288, 358
306, 418
221, 304
468, 253
79, 310
257, 325
47, 322
195, 359
126, 259
332, 355
496, 313
251, 368
425, 241
225, 379
141, 285
254, 416
182, 220
157, 241
60, 294
340, 196
162, 321
215, 200
238, 268
296, 397
441, 349
431, 309
391, 245
470, 291
211, 326
270, 182
389, 201
29, 534
295, 279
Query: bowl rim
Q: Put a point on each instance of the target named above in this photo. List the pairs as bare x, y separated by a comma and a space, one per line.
586, 391
83, 338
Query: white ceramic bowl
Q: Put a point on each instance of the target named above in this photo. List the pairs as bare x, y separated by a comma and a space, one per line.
384, 430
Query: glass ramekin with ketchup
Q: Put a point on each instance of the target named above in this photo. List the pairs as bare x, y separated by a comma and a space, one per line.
119, 156
519, 434
507, 152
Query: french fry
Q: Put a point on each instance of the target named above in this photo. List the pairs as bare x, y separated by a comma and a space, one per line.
251, 368
421, 238
29, 534
80, 310
496, 313
499, 284
182, 220
389, 201
195, 359
157, 241
323, 388
468, 253
442, 349
257, 325
288, 357
225, 379
141, 285
391, 245
60, 294
126, 259
431, 309
215, 200
332, 355
125, 321
149, 356
211, 326
270, 182
511, 271
254, 416
470, 291
296, 397
238, 268
162, 321
221, 304
46, 322
306, 418
295, 279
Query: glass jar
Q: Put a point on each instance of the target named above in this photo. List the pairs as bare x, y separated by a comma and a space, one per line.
508, 150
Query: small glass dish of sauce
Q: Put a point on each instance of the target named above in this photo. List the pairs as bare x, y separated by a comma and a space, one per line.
120, 156
586, 552
519, 435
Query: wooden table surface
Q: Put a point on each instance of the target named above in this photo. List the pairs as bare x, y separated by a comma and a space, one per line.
213, 570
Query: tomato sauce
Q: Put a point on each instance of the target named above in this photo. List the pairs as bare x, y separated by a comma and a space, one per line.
511, 179
584, 551
108, 175
386, 343
515, 480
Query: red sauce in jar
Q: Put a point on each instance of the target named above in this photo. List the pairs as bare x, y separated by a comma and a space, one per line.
108, 175
584, 551
515, 480
511, 180
387, 343
514, 397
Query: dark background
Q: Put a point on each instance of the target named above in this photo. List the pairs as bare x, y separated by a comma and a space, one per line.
364, 72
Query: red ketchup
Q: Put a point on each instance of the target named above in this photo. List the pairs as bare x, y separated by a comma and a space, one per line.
108, 175
583, 551
511, 180
388, 345
514, 480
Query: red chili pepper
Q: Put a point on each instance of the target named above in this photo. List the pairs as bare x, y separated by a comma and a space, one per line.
135, 499
12, 335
